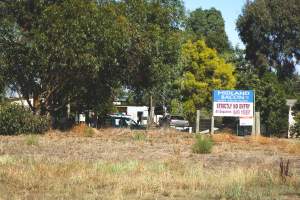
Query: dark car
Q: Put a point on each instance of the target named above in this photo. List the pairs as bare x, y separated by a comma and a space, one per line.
117, 121
175, 121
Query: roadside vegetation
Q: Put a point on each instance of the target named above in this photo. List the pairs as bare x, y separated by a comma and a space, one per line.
15, 119
203, 144
49, 179
79, 56
112, 165
147, 49
139, 136
32, 140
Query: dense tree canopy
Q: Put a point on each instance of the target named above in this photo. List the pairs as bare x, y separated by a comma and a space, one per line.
56, 51
270, 97
203, 71
79, 51
155, 41
209, 25
270, 30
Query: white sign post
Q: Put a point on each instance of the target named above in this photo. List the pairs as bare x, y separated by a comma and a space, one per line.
234, 103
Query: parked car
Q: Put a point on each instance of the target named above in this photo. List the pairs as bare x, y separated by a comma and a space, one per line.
119, 121
174, 121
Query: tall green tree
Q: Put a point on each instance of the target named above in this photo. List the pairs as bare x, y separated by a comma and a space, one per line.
270, 30
155, 40
209, 25
203, 71
270, 97
59, 52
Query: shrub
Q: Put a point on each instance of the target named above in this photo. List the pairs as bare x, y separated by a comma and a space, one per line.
88, 132
139, 136
202, 145
83, 130
15, 119
32, 140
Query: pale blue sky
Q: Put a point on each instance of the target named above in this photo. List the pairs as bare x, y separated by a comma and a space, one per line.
230, 10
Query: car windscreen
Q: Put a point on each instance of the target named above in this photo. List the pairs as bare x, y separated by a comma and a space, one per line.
130, 121
177, 117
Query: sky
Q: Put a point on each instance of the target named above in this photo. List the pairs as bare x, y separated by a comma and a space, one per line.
230, 9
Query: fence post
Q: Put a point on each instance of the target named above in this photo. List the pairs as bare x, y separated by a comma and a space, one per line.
198, 121
257, 123
212, 127
253, 125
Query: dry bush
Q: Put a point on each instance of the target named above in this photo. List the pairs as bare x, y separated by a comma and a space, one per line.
283, 145
293, 148
79, 128
82, 130
114, 133
226, 137
267, 141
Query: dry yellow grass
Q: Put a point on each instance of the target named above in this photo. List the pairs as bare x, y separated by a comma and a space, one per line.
283, 145
225, 137
170, 179
156, 164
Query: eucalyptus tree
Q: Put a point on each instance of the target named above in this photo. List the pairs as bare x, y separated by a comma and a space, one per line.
270, 30
59, 52
210, 26
156, 29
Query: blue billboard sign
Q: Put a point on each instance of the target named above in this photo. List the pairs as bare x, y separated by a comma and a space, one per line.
233, 103
233, 96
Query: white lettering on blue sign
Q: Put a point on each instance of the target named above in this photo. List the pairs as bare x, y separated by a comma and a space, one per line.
233, 96
233, 103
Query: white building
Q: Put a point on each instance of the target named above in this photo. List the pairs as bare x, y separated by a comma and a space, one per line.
139, 114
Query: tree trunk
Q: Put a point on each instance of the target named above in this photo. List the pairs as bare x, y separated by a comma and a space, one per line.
36, 104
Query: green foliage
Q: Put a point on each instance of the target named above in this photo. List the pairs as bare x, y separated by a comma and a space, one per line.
270, 98
203, 71
270, 31
32, 140
176, 107
209, 25
203, 145
79, 52
154, 48
14, 119
139, 136
88, 132
62, 51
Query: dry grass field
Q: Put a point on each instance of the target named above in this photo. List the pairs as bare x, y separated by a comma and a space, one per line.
124, 164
